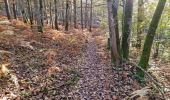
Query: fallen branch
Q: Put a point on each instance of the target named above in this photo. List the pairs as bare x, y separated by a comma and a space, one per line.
151, 78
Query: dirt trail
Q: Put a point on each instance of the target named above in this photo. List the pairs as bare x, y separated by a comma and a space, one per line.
97, 78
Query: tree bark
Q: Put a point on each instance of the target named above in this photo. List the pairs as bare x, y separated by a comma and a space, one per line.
143, 63
56, 14
63, 9
81, 14
51, 15
45, 11
40, 17
86, 14
66, 19
21, 7
127, 28
112, 31
14, 9
7, 9
91, 16
30, 12
115, 16
123, 10
75, 13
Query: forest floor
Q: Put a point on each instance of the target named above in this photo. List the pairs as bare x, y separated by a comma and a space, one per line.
59, 65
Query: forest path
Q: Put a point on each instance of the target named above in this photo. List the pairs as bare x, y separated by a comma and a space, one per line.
99, 79
96, 82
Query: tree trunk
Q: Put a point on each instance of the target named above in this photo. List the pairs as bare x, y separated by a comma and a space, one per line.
115, 16
30, 12
14, 9
81, 14
63, 9
56, 14
127, 28
45, 11
75, 13
21, 7
143, 63
7, 9
86, 14
51, 16
66, 19
113, 40
40, 17
91, 16
123, 10
70, 12
140, 21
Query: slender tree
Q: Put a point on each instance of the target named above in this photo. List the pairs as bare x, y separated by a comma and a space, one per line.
127, 28
39, 16
45, 10
63, 9
123, 10
75, 13
113, 40
70, 12
66, 19
91, 16
30, 12
7, 9
81, 3
51, 15
143, 63
56, 14
115, 16
14, 9
86, 14
23, 12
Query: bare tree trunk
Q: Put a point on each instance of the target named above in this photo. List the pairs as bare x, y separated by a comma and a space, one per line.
86, 15
56, 14
40, 16
70, 13
14, 9
123, 6
115, 16
21, 7
38, 9
63, 8
127, 28
91, 16
30, 12
45, 11
66, 19
81, 14
75, 13
113, 39
7, 9
51, 16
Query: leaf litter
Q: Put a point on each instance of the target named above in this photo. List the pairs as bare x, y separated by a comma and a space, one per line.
57, 65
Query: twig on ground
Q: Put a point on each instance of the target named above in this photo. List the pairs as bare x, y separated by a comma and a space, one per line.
150, 77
